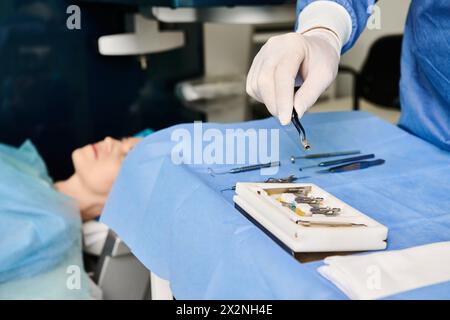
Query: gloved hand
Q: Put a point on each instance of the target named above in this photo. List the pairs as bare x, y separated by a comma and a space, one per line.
314, 56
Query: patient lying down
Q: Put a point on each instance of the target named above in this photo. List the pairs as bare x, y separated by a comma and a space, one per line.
40, 220
96, 167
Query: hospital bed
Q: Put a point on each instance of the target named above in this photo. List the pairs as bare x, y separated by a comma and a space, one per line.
121, 276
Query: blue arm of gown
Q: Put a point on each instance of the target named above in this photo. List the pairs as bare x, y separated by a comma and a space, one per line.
359, 11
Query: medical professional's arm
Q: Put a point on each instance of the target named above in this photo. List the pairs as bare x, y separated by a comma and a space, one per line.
324, 29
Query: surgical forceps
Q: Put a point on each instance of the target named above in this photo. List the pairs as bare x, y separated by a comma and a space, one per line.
309, 223
246, 168
326, 155
339, 161
300, 130
358, 165
288, 179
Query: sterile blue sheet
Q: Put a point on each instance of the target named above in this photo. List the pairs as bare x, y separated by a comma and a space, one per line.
38, 225
181, 226
52, 284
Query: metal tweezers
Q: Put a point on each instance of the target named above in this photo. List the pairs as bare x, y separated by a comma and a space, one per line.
300, 129
288, 179
308, 223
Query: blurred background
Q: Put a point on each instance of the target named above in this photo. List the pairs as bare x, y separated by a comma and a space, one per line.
138, 64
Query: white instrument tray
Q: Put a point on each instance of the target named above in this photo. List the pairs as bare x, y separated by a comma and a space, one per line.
257, 202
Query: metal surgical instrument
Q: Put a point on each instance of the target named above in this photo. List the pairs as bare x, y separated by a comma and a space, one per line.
246, 168
326, 155
339, 161
308, 200
308, 223
354, 166
330, 212
288, 179
300, 129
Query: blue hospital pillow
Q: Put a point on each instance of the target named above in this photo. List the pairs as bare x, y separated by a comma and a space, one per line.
38, 225
144, 133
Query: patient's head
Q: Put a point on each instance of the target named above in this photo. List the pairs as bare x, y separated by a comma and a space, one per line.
96, 167
98, 164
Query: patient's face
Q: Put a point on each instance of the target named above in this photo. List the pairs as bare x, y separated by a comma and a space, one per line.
98, 164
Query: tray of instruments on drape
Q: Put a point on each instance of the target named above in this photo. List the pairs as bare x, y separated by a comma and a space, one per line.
305, 218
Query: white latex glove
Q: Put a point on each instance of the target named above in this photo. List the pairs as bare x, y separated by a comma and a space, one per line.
314, 56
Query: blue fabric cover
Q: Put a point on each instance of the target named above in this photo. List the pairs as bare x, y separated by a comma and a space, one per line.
52, 283
38, 225
182, 227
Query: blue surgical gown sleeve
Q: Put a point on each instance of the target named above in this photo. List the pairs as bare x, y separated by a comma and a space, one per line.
38, 225
359, 11
425, 67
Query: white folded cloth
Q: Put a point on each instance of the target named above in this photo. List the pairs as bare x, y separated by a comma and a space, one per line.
381, 274
94, 237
